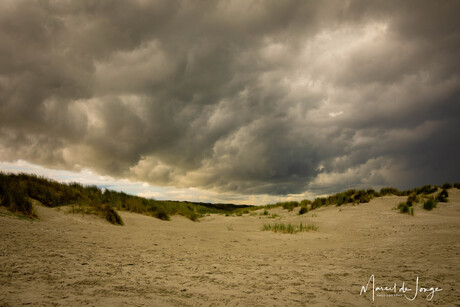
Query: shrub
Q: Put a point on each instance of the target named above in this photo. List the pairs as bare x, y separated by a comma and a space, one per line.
407, 206
290, 205
429, 204
403, 207
319, 202
457, 185
413, 198
162, 215
362, 196
442, 196
427, 189
193, 216
111, 215
14, 200
446, 186
303, 210
389, 191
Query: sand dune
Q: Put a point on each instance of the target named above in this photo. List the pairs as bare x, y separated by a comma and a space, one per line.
65, 259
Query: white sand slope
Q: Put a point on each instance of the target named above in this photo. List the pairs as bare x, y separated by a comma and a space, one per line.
73, 260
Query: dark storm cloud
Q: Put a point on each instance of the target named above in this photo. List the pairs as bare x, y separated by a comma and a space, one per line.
238, 96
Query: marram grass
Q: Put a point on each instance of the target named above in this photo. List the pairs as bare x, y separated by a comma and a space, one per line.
289, 228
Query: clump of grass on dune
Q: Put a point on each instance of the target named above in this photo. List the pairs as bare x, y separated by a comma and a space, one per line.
420, 195
429, 204
289, 228
12, 197
101, 210
406, 207
303, 210
442, 196
290, 205
161, 214
111, 215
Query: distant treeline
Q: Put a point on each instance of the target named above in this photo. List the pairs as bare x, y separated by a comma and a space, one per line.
17, 190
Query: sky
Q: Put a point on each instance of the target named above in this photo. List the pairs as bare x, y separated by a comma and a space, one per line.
231, 101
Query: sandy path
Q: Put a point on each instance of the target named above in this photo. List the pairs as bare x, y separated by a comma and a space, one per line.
73, 260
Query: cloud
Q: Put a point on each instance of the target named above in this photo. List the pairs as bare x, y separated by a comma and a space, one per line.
234, 96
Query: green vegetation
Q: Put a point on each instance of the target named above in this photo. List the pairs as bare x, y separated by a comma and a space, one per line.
17, 190
353, 196
457, 185
103, 210
429, 204
290, 205
413, 198
442, 196
289, 228
446, 186
411, 211
348, 197
303, 210
13, 197
427, 189
406, 207
390, 191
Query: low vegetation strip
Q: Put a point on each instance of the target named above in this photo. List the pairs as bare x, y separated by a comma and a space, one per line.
16, 190
429, 200
289, 228
353, 196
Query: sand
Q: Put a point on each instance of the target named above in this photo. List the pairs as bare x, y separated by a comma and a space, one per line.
65, 259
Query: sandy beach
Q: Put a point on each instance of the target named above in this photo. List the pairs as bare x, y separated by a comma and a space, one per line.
69, 259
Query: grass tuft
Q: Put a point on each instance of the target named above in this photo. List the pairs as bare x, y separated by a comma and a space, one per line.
289, 228
111, 215
429, 204
303, 210
442, 196
162, 215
